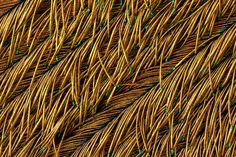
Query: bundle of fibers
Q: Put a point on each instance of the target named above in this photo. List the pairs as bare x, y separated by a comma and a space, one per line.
118, 78
6, 6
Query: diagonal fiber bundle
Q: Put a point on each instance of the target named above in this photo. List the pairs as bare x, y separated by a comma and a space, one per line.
118, 78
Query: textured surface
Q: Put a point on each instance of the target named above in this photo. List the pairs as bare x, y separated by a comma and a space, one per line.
118, 78
5, 5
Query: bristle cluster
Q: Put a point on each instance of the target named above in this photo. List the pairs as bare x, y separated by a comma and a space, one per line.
118, 78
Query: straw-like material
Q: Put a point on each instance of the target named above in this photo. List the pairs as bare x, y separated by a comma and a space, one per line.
6, 6
118, 78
